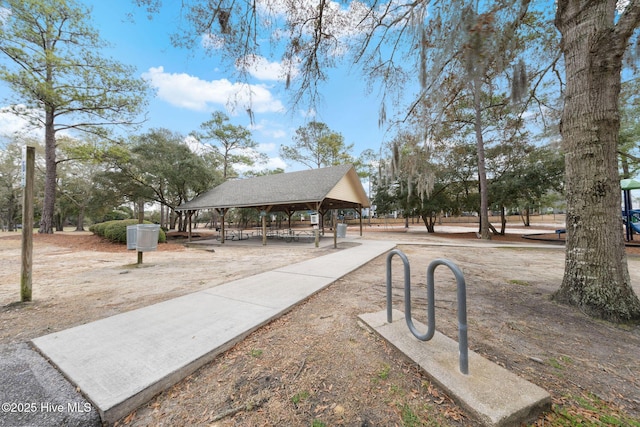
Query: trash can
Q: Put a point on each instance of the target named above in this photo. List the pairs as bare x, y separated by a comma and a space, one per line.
147, 238
342, 230
131, 236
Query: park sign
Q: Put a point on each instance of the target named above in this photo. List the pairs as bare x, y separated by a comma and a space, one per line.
23, 167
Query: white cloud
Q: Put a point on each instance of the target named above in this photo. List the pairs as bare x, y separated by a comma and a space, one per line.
308, 114
271, 164
193, 93
195, 145
268, 147
342, 22
276, 163
5, 13
621, 5
277, 133
12, 123
271, 130
212, 41
282, 19
260, 68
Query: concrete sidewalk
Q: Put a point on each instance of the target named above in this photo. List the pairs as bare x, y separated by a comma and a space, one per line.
121, 362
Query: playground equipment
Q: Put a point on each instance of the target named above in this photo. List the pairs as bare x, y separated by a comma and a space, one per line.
629, 215
631, 220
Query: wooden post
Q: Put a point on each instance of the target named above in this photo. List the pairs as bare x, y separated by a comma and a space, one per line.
27, 224
263, 214
222, 226
334, 219
317, 230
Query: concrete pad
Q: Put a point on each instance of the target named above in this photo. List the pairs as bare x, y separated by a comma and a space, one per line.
492, 394
121, 362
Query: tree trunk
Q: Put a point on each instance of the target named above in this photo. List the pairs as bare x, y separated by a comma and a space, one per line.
80, 223
482, 174
173, 218
526, 217
58, 220
12, 208
48, 208
596, 277
182, 224
429, 222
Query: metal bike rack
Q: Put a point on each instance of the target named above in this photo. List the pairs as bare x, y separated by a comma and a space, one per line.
463, 345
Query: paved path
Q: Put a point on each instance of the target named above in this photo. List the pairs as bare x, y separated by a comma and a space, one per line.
121, 362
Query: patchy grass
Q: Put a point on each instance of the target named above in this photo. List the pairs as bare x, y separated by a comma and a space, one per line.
409, 418
586, 410
560, 363
300, 397
383, 373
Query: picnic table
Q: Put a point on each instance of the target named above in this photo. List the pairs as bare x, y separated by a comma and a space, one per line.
292, 235
288, 234
235, 235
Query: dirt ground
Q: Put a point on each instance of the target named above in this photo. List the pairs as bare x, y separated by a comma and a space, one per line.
317, 365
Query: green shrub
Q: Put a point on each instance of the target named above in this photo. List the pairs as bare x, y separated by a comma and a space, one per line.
98, 228
116, 231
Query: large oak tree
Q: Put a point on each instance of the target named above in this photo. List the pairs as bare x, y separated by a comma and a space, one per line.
594, 41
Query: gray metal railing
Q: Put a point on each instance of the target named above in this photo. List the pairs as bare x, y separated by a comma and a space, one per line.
463, 345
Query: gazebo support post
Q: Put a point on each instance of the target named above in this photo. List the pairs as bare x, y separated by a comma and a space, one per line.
334, 218
360, 215
222, 233
317, 231
321, 223
264, 229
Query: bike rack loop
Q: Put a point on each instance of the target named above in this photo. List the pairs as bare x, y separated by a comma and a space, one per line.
463, 346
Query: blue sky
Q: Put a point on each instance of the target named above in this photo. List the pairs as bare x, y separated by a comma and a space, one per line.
191, 85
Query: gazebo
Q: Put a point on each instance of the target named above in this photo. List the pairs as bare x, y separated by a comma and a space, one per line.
319, 190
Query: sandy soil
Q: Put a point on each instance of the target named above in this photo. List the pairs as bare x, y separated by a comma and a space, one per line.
317, 363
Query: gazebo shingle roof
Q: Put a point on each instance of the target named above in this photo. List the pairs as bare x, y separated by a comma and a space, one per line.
336, 187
